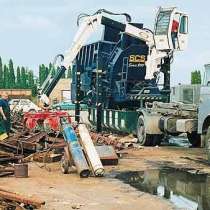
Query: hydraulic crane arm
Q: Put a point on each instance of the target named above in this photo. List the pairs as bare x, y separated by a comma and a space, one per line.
86, 29
89, 26
161, 41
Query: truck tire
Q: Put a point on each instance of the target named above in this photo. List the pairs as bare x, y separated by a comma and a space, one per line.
157, 139
194, 139
144, 139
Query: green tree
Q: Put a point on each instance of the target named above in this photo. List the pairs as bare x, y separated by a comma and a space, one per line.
52, 69
31, 83
30, 79
41, 74
11, 74
6, 77
196, 77
23, 78
27, 78
46, 72
18, 78
69, 74
1, 74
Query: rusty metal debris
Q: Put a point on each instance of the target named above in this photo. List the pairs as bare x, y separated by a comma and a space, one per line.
11, 200
47, 157
23, 144
21, 170
117, 141
107, 155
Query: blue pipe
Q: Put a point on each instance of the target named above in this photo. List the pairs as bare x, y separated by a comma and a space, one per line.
75, 149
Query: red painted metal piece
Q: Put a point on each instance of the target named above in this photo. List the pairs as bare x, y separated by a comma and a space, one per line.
45, 118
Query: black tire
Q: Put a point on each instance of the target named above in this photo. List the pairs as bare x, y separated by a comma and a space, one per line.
157, 139
144, 139
194, 139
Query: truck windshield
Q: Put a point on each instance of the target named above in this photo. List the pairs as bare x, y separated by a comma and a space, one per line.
162, 24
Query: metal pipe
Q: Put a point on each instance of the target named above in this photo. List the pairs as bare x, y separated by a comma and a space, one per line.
75, 149
90, 151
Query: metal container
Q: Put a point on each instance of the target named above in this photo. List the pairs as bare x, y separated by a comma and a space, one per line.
123, 121
21, 170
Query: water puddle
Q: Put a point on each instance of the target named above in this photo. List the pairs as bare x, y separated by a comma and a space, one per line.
185, 190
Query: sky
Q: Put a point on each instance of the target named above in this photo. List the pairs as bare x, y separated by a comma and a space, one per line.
32, 32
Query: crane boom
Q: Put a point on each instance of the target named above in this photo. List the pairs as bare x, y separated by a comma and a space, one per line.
89, 26
160, 43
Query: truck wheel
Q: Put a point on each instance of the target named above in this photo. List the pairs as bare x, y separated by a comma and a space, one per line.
157, 139
194, 139
144, 139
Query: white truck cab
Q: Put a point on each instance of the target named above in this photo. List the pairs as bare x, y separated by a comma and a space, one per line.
171, 29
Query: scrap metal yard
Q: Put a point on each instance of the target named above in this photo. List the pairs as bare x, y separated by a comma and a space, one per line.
68, 191
126, 183
112, 122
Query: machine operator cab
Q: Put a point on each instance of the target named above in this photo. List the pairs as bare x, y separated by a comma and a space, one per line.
171, 29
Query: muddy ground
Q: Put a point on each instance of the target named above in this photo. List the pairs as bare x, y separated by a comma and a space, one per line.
62, 192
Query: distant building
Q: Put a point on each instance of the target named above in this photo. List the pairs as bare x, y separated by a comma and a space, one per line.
17, 93
62, 91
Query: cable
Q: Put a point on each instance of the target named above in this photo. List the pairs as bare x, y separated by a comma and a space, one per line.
128, 17
83, 15
61, 56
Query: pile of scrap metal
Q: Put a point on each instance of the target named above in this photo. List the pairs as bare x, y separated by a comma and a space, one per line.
17, 121
119, 142
6, 159
107, 139
11, 200
26, 146
50, 137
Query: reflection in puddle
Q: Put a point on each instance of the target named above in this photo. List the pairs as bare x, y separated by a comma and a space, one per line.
185, 190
